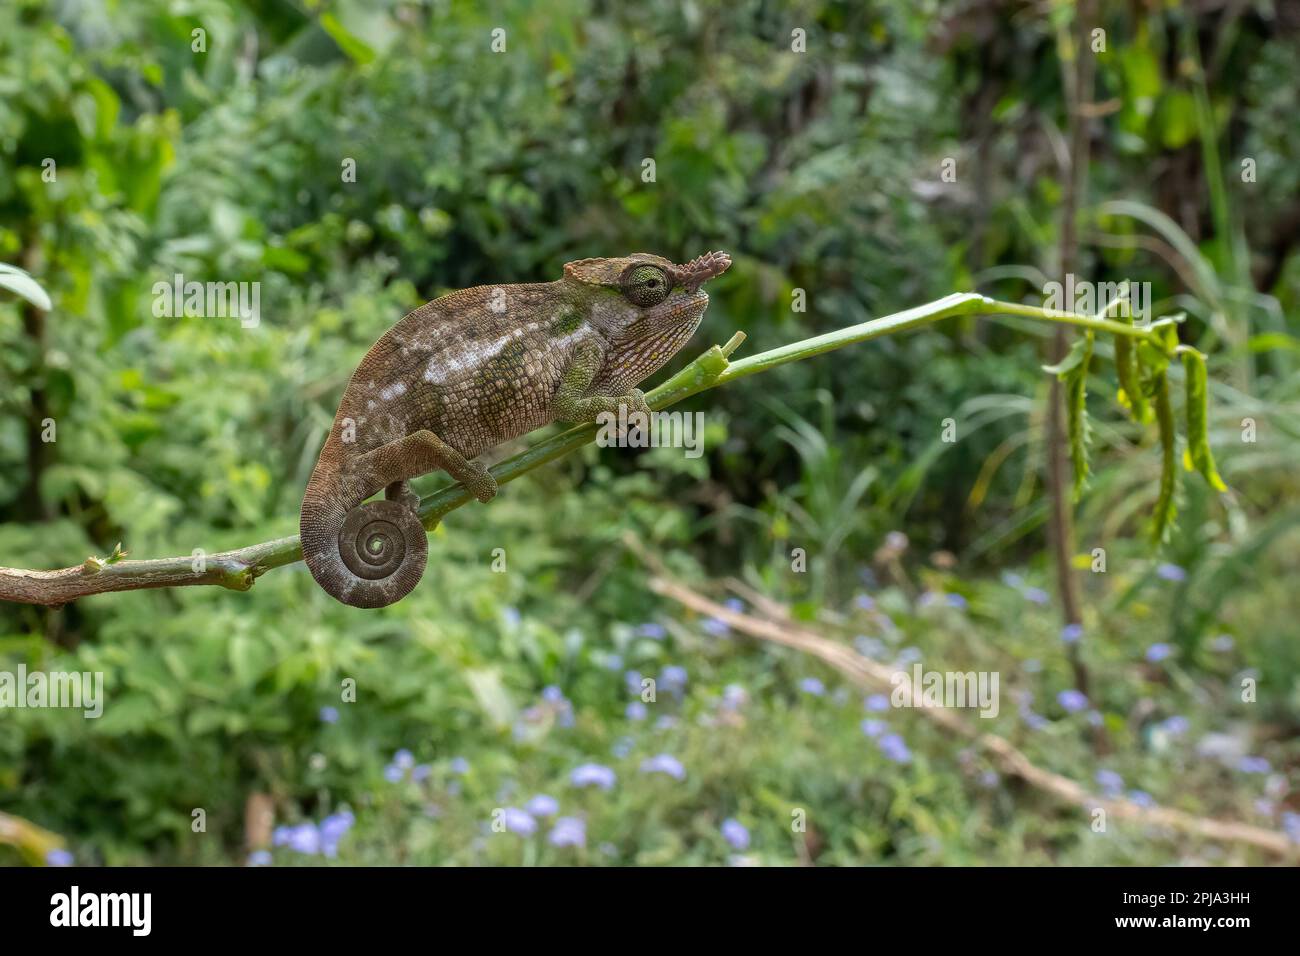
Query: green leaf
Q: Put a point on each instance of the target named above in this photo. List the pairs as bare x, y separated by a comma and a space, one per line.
21, 284
1130, 388
1198, 456
1072, 370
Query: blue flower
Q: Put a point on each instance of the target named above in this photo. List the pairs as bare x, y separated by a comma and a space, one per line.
1253, 765
1111, 783
812, 685
614, 662
632, 680
404, 759
1033, 720
1175, 726
877, 702
329, 715
305, 838
280, 836
874, 728
58, 857
716, 626
869, 646
673, 678
636, 711
956, 600
1158, 652
553, 694
1223, 643
622, 747
569, 831
908, 655
543, 806
336, 825
1072, 701
593, 775
1036, 595
734, 697
512, 616
864, 602
895, 748
259, 858
393, 773
1291, 826
656, 632
926, 599
519, 821
735, 833
1071, 633
734, 604
421, 771
1012, 580
1141, 798
666, 764
459, 765
665, 722
1171, 572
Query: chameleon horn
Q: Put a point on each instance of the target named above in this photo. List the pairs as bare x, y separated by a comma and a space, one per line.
701, 269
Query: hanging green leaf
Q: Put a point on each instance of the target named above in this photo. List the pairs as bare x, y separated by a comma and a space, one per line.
1198, 456
1163, 517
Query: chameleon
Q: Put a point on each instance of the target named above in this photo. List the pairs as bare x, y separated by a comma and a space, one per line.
468, 371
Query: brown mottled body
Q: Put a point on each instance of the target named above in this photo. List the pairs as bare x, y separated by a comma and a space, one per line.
468, 371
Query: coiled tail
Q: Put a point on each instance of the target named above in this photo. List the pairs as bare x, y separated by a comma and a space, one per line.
365, 554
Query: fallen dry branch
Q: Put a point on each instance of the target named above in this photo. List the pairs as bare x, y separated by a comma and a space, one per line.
875, 676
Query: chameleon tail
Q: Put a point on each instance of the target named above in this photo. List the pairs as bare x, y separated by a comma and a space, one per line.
364, 554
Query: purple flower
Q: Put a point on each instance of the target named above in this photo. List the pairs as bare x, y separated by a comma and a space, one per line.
280, 836
1158, 652
895, 748
926, 599
1171, 572
673, 679
1071, 633
735, 833
329, 715
553, 694
734, 604
421, 771
1012, 580
1291, 825
459, 765
1072, 701
734, 697
259, 858
956, 600
305, 838
874, 728
519, 821
1253, 765
812, 685
877, 702
716, 626
656, 632
1175, 726
1034, 720
1111, 783
864, 602
1141, 798
58, 857
569, 831
664, 763
614, 662
1036, 595
335, 826
593, 775
543, 806
403, 759
636, 711
393, 773
632, 681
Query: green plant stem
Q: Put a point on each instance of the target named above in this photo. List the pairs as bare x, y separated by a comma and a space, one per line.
239, 568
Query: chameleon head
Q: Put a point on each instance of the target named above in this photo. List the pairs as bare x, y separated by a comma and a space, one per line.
645, 306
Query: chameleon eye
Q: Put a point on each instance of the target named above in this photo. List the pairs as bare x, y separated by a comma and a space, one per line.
646, 286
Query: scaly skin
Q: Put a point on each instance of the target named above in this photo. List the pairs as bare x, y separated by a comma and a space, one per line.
468, 371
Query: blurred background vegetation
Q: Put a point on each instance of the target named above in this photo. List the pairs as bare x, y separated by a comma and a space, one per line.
520, 691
